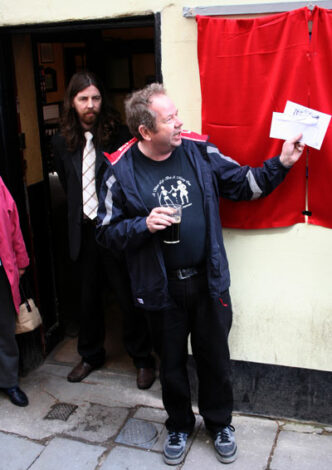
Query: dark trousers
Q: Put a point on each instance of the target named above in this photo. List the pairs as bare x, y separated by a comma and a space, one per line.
8, 347
97, 268
209, 321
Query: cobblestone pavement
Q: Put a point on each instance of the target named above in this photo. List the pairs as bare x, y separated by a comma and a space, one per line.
106, 423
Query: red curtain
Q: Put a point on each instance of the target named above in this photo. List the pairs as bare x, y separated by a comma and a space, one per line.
248, 69
320, 98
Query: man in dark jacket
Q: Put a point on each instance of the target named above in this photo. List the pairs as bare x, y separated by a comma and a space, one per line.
182, 286
88, 126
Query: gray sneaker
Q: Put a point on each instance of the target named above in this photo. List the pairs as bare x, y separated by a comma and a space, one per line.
174, 447
225, 445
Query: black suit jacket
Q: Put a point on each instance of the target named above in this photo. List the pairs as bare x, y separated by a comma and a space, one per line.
69, 168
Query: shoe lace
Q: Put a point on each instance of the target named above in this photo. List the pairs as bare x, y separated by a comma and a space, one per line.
175, 438
224, 435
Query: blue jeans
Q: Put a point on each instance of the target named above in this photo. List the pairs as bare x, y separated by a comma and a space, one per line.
208, 320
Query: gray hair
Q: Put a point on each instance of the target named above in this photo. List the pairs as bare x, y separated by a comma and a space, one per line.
137, 109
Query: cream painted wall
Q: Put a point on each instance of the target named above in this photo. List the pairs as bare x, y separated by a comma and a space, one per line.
282, 295
281, 292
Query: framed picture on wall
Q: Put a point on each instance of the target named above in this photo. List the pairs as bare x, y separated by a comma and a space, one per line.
50, 79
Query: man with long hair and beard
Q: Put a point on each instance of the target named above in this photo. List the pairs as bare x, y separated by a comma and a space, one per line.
88, 128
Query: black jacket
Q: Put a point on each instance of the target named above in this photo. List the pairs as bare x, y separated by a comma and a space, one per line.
69, 168
121, 222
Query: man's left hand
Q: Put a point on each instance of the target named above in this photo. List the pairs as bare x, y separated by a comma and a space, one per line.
291, 151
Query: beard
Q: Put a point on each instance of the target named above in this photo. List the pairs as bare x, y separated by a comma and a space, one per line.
89, 117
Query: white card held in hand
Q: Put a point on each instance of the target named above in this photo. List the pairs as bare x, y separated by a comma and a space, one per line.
298, 119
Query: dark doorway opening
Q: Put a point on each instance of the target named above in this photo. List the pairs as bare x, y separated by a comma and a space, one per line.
125, 54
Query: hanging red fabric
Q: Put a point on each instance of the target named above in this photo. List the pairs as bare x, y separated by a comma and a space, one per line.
320, 98
248, 69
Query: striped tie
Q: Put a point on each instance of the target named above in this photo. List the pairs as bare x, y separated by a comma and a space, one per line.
90, 200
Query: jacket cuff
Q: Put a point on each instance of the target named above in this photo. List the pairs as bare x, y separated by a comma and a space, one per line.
286, 168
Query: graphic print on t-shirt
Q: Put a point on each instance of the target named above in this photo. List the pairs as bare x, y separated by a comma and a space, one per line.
172, 190
174, 181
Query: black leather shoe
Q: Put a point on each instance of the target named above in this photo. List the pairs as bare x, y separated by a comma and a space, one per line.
80, 371
16, 395
145, 377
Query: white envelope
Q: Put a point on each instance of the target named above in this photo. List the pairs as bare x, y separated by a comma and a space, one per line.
298, 119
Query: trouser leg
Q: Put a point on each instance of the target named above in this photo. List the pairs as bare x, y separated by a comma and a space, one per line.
209, 321
136, 333
9, 353
137, 338
209, 338
170, 331
91, 329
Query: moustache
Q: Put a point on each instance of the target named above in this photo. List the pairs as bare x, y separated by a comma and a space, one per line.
90, 112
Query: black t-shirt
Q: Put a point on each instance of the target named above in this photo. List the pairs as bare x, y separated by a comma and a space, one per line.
174, 180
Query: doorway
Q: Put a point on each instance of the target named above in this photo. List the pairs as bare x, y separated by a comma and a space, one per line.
125, 54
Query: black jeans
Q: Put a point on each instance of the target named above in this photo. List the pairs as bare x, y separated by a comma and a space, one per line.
97, 268
9, 353
209, 321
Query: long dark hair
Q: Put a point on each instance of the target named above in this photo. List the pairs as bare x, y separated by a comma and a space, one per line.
108, 121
